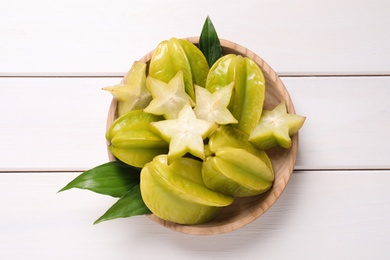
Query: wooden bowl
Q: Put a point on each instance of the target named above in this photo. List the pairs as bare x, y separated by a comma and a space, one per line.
244, 210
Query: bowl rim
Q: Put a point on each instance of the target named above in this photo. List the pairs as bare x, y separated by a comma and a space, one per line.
287, 166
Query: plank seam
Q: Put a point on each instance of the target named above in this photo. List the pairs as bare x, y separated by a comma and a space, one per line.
120, 75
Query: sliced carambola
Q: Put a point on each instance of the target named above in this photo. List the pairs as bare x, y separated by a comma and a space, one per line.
237, 173
184, 134
176, 192
275, 128
213, 106
168, 98
132, 94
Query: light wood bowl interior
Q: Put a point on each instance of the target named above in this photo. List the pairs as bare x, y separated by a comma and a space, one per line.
244, 210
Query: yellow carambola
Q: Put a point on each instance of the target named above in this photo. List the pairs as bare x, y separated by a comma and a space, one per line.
132, 142
236, 172
234, 166
132, 93
176, 192
247, 100
229, 136
174, 55
275, 128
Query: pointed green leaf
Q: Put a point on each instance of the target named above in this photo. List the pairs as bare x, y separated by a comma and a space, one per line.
131, 204
113, 178
209, 42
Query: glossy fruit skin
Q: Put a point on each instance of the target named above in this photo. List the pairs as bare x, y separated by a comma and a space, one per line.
131, 140
234, 166
174, 55
229, 136
176, 192
249, 88
236, 172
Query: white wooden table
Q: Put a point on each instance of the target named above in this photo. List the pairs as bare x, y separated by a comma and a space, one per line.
55, 56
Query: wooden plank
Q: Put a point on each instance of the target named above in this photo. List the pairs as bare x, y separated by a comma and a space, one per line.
320, 215
53, 123
59, 123
347, 122
103, 37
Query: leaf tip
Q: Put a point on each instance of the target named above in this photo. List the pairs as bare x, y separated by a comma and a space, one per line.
63, 189
99, 220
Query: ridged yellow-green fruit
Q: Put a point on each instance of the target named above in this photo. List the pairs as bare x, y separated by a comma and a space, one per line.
237, 172
174, 55
228, 136
234, 166
247, 100
176, 192
132, 142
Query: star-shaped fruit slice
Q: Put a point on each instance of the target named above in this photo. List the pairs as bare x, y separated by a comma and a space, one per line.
132, 94
184, 134
168, 99
213, 106
275, 128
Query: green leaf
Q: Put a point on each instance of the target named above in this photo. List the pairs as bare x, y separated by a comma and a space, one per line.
131, 204
113, 178
209, 42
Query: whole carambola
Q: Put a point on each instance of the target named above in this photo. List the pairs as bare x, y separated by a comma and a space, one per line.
237, 172
234, 166
249, 88
132, 142
174, 55
176, 192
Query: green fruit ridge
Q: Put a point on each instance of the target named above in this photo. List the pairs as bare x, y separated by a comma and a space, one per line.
173, 55
236, 172
199, 134
176, 192
247, 100
131, 140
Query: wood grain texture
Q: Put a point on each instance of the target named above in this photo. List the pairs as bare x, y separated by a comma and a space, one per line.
100, 37
338, 209
321, 215
53, 123
347, 122
59, 123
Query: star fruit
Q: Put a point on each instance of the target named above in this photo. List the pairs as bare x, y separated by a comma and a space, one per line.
213, 106
234, 166
168, 98
229, 136
237, 172
132, 94
176, 192
131, 140
275, 128
174, 55
184, 134
247, 100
